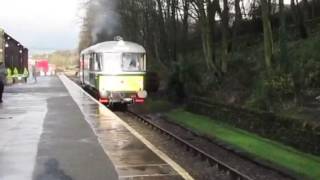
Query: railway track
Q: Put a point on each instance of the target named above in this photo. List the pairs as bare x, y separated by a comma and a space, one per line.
231, 172
259, 170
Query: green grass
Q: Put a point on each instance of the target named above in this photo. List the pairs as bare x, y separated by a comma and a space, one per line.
301, 163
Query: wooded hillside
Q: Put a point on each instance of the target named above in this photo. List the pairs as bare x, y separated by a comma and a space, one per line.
261, 54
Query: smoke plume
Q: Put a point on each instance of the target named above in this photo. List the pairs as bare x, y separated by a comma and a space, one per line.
105, 19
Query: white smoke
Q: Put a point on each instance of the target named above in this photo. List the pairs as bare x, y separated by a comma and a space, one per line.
106, 20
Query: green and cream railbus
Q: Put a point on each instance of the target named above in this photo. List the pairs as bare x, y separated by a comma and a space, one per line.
114, 71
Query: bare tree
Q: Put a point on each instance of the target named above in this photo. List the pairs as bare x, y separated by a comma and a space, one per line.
298, 17
268, 38
283, 37
207, 11
225, 37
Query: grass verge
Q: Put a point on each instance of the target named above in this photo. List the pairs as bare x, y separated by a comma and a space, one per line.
301, 163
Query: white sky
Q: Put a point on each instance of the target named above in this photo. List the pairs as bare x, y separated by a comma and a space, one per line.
42, 25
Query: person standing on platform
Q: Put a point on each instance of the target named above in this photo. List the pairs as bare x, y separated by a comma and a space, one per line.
2, 79
34, 73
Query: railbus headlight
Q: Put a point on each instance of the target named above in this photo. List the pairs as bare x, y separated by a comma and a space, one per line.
142, 94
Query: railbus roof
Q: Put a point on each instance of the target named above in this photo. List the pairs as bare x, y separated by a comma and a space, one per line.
115, 47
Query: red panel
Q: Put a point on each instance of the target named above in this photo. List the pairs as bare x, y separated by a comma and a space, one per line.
139, 101
42, 64
104, 100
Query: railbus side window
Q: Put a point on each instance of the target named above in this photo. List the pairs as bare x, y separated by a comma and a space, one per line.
91, 61
81, 75
97, 62
92, 75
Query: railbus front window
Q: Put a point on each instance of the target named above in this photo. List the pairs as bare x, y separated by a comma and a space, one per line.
111, 63
133, 62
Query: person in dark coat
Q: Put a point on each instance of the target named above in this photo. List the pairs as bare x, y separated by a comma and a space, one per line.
2, 79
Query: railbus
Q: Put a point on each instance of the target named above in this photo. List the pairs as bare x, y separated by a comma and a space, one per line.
115, 72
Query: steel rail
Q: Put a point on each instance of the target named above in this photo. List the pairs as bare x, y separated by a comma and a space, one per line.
233, 173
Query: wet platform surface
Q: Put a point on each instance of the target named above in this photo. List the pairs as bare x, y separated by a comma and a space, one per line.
132, 158
21, 119
44, 136
53, 130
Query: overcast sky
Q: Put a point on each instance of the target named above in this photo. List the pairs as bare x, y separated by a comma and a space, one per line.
42, 24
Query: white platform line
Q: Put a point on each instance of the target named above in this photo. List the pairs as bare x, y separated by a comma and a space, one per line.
157, 151
142, 165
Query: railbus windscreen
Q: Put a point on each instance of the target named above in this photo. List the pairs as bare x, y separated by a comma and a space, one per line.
133, 62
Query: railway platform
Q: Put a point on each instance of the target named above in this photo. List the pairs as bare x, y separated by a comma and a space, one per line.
53, 130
